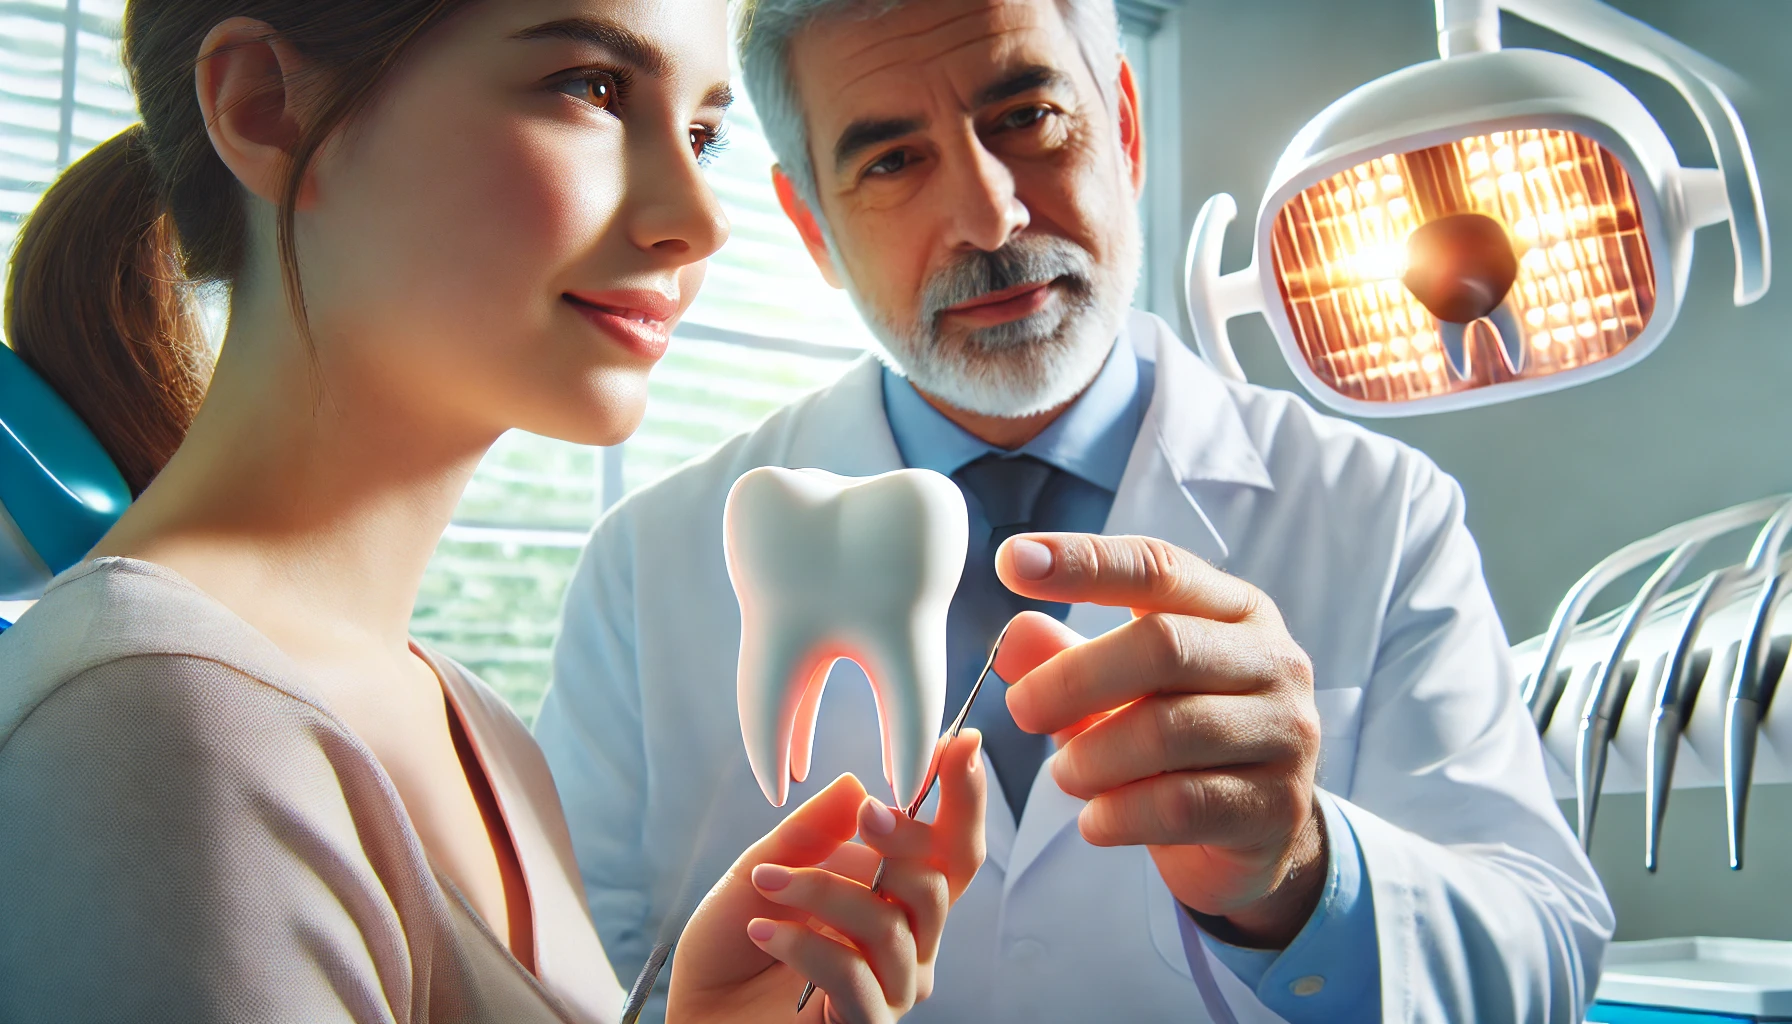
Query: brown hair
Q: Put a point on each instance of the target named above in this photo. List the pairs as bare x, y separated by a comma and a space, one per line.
99, 298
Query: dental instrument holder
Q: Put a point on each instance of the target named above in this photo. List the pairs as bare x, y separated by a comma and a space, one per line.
1682, 675
933, 776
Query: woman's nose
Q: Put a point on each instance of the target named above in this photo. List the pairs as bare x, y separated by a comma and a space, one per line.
676, 213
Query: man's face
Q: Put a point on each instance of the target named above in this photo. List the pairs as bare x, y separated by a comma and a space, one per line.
980, 190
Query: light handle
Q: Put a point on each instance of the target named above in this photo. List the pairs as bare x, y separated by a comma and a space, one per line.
1214, 298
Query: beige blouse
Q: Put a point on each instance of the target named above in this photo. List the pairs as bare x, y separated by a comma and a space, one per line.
188, 834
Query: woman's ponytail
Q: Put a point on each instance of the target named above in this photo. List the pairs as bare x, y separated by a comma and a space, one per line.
97, 304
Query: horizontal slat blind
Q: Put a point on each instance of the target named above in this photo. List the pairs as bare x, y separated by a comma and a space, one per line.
62, 92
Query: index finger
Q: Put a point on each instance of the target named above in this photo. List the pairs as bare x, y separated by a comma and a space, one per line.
1141, 573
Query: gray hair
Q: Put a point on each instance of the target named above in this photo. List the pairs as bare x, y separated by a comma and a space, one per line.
768, 26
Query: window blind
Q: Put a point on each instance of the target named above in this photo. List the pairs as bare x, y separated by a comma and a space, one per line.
62, 92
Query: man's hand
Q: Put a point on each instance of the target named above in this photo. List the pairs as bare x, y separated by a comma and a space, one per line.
1190, 730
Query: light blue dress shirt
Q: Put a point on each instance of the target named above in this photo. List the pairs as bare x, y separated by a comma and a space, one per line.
1331, 971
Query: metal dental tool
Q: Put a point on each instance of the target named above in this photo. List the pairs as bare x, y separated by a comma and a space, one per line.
1674, 697
1611, 687
933, 775
1747, 705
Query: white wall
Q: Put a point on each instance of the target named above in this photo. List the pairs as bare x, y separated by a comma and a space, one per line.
1554, 483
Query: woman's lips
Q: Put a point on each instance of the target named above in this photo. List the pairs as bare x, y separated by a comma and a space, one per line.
641, 323
1003, 306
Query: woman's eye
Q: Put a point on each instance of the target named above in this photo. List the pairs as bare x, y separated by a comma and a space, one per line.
708, 142
599, 89
1025, 117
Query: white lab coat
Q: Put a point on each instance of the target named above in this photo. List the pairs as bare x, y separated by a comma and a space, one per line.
1485, 907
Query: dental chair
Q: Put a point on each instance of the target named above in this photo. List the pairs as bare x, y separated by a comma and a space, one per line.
59, 491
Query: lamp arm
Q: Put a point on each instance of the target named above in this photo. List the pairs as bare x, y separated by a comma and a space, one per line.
1467, 26
1699, 79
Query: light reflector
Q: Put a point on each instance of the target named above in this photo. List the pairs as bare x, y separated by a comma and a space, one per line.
1584, 290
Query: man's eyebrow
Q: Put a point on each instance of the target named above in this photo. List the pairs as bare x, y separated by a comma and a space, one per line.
632, 47
862, 135
1027, 79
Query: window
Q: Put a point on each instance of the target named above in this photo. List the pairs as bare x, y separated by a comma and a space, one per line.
62, 92
765, 330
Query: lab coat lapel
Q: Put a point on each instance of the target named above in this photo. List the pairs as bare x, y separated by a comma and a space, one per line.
845, 430
1192, 441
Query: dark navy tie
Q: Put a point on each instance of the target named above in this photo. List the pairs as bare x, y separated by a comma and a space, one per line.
1010, 494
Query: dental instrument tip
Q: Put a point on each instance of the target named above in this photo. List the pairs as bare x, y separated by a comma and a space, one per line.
650, 972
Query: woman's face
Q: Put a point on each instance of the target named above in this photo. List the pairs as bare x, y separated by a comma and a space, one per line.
507, 236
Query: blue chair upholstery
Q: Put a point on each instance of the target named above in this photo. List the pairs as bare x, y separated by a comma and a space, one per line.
59, 491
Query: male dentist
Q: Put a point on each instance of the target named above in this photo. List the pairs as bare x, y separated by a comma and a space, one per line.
1288, 779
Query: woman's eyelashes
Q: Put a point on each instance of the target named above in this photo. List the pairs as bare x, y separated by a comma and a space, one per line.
708, 141
603, 88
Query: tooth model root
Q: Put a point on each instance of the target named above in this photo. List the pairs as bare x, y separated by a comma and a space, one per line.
828, 568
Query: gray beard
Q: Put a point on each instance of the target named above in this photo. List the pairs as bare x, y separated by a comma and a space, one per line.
1025, 366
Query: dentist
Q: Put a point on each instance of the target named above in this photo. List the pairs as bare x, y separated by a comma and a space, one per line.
1289, 778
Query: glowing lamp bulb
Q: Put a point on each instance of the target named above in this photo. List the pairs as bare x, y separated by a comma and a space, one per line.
1460, 267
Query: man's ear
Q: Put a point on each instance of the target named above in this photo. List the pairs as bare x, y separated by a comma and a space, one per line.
244, 79
806, 226
1132, 127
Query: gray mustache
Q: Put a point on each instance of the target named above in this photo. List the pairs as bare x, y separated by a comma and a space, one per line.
1025, 260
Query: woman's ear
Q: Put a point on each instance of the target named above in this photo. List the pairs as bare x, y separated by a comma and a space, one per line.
806, 226
246, 79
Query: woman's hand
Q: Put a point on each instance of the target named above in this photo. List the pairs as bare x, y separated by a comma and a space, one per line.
798, 906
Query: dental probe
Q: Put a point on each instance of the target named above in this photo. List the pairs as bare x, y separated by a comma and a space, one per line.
650, 973
933, 777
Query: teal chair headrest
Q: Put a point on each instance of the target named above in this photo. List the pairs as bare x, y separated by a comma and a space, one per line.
59, 492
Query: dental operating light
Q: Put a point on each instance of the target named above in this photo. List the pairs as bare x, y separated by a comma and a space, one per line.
1486, 226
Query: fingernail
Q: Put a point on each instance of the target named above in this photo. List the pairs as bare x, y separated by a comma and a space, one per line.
875, 818
1032, 560
761, 930
771, 877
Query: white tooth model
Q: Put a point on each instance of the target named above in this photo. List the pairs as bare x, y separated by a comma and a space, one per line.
829, 567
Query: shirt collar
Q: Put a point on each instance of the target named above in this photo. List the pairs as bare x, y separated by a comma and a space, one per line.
1092, 439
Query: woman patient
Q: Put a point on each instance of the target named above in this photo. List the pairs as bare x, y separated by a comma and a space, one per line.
231, 787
